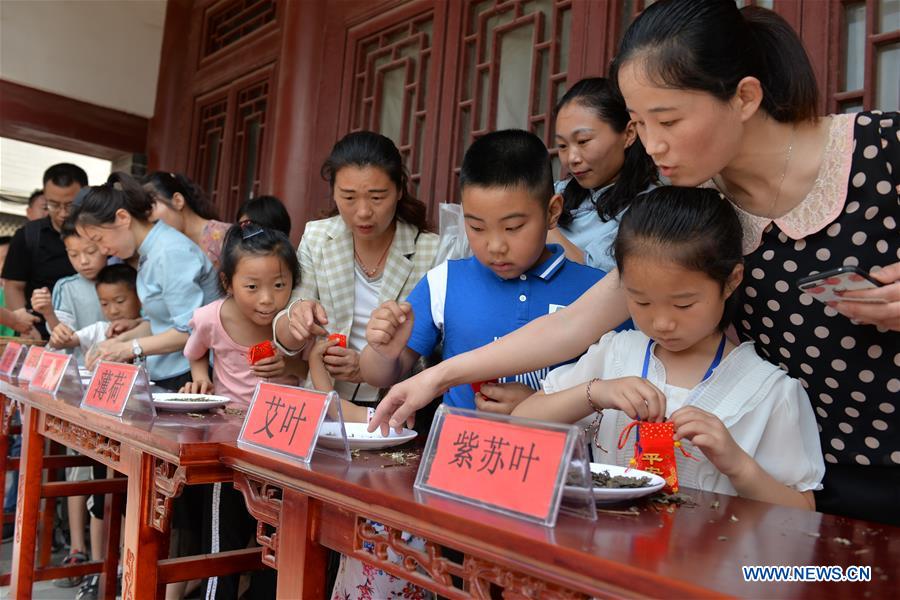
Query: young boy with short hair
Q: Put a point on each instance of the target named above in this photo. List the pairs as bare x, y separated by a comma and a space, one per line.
513, 278
117, 292
73, 303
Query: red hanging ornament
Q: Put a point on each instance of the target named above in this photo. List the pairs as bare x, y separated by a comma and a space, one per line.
654, 450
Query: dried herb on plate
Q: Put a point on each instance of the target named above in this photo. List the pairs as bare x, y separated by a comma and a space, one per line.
604, 480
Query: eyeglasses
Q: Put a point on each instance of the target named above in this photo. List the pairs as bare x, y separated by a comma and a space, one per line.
249, 229
58, 206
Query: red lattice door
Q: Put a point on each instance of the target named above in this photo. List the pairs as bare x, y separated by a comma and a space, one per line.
513, 65
393, 67
231, 141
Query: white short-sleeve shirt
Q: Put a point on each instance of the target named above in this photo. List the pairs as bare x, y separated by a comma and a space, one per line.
767, 413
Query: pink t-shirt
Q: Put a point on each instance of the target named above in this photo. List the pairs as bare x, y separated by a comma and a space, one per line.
232, 376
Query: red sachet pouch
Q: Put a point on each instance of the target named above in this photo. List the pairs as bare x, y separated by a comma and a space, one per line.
260, 351
341, 339
654, 450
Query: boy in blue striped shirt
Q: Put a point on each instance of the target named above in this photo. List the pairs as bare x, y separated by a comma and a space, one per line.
514, 276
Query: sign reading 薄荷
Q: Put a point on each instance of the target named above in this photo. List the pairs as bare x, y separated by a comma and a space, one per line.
110, 387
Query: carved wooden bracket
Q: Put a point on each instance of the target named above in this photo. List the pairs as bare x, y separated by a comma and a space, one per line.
430, 569
264, 503
480, 574
168, 483
87, 442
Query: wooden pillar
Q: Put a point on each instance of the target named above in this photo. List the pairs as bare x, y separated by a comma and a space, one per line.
294, 161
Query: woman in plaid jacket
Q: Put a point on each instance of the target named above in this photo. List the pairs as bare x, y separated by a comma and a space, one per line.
376, 248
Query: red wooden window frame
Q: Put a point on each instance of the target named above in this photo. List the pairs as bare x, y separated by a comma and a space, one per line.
361, 99
462, 98
873, 40
229, 189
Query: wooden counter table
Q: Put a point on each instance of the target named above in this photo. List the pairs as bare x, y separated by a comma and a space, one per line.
159, 456
689, 552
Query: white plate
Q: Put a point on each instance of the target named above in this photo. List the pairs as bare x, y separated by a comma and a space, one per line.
361, 439
175, 402
619, 494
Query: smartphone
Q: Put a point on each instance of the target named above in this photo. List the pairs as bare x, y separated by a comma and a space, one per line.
824, 286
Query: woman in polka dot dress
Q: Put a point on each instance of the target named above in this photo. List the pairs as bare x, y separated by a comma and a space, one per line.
727, 97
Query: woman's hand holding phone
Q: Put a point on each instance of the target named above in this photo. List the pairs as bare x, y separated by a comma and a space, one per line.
879, 306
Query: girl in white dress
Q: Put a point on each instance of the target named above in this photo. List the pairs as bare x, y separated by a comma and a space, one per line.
751, 426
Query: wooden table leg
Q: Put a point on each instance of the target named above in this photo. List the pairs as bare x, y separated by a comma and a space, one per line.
27, 506
144, 545
303, 559
112, 527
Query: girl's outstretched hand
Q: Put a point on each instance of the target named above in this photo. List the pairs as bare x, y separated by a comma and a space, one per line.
880, 306
204, 386
635, 396
708, 433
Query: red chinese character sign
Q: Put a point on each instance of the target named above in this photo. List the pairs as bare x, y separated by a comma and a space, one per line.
519, 467
116, 387
10, 358
29, 365
286, 421
55, 369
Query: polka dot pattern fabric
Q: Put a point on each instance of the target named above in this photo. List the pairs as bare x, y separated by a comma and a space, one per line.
851, 372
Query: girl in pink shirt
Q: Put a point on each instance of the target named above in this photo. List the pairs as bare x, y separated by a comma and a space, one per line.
257, 272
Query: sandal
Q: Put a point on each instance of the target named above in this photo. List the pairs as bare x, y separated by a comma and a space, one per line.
73, 558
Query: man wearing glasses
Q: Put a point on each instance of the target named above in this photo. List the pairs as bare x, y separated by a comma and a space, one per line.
37, 256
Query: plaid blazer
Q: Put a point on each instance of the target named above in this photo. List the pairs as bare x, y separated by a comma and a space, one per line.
327, 267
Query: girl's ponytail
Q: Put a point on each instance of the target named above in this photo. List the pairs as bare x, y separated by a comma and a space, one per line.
638, 172
166, 185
